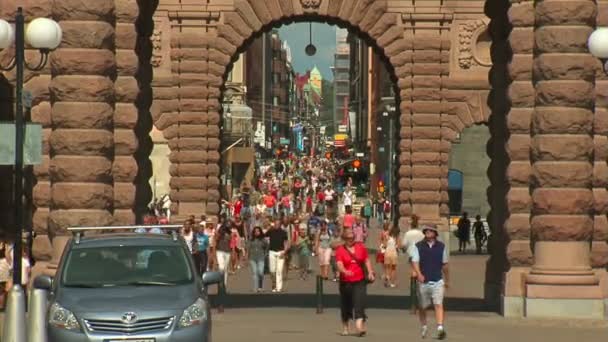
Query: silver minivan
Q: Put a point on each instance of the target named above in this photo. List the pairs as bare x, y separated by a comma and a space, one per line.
128, 287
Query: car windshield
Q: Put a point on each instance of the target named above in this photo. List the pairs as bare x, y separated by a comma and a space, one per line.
127, 266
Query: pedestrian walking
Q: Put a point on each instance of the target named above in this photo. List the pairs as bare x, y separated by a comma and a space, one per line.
464, 232
323, 249
479, 233
391, 256
430, 260
201, 255
256, 253
410, 239
303, 248
223, 251
278, 249
352, 261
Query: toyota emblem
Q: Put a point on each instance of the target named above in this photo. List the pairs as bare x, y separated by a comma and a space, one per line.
129, 317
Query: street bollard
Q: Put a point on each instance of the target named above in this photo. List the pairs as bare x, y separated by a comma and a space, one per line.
36, 319
14, 316
319, 294
221, 295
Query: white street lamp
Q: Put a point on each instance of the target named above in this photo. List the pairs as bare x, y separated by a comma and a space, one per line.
598, 45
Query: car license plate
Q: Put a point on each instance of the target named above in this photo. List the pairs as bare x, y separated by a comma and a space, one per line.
133, 340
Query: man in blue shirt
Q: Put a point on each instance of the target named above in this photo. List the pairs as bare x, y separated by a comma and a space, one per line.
430, 261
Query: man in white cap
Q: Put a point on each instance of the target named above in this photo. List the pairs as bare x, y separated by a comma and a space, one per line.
430, 261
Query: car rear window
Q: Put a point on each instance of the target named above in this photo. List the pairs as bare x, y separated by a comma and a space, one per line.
127, 266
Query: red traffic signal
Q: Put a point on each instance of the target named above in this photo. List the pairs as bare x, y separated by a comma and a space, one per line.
380, 183
328, 155
357, 164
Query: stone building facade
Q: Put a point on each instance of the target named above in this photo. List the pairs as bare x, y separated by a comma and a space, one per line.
126, 65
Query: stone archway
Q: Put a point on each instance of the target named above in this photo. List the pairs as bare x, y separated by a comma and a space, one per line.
548, 170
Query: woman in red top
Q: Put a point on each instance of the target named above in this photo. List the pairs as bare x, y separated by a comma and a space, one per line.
350, 260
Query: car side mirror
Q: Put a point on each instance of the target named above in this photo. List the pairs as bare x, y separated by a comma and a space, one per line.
211, 278
43, 282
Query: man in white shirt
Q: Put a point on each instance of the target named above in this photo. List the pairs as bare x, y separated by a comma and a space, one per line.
410, 239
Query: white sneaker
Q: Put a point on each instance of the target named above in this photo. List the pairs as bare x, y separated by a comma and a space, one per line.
441, 334
424, 331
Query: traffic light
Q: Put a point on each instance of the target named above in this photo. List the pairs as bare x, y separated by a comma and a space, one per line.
381, 186
356, 164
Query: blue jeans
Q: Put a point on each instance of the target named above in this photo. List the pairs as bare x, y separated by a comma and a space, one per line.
257, 273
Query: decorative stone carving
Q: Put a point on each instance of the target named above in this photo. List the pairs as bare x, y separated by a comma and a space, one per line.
311, 3
474, 44
157, 47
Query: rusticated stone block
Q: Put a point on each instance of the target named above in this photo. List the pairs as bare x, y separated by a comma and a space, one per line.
521, 40
522, 14
405, 210
126, 89
519, 253
213, 144
566, 13
60, 220
600, 174
425, 171
189, 144
372, 15
42, 250
392, 34
275, 9
548, 147
520, 67
519, 120
244, 9
40, 221
261, 10
126, 10
600, 199
600, 121
565, 67
41, 171
405, 158
404, 171
562, 120
562, 227
100, 10
562, 39
600, 151
562, 174
126, 37
41, 194
188, 156
518, 226
426, 132
425, 158
82, 196
87, 35
213, 157
70, 169
41, 114
519, 200
521, 94
191, 39
404, 196
569, 201
404, 184
565, 93
82, 142
31, 8
380, 26
600, 228
599, 254
82, 88
518, 146
213, 170
123, 217
125, 115
422, 184
83, 61
124, 195
188, 183
213, 195
189, 195
82, 115
212, 208
237, 23
519, 173
426, 145
124, 169
359, 11
190, 170
125, 142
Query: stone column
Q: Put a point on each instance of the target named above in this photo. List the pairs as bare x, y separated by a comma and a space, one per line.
82, 93
513, 243
561, 280
126, 113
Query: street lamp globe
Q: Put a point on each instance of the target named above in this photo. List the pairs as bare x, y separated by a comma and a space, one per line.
43, 33
7, 34
598, 43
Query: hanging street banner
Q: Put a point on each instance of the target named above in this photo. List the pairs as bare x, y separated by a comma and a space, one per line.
32, 149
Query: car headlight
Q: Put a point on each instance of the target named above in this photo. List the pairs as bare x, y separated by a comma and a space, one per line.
195, 314
62, 318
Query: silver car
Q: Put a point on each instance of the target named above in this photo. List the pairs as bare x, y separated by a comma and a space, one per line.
128, 287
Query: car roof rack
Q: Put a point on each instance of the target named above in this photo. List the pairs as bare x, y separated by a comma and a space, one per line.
79, 231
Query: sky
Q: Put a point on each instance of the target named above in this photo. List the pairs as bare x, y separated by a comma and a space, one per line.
323, 37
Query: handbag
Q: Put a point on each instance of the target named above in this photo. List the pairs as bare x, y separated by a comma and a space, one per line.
380, 258
361, 264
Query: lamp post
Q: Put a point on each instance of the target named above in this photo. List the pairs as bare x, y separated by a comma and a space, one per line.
598, 45
43, 34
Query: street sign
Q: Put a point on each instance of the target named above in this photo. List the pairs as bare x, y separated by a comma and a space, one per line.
342, 128
360, 154
284, 141
32, 149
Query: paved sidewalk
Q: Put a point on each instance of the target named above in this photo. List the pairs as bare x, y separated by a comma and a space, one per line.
303, 325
